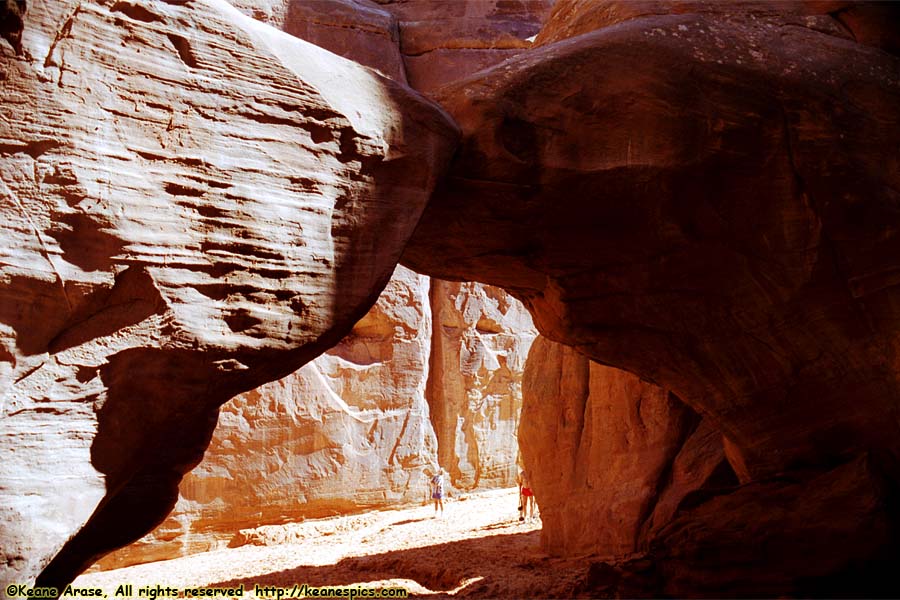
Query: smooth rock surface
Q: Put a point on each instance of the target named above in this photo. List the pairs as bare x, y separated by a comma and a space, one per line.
725, 226
871, 23
709, 202
194, 204
445, 41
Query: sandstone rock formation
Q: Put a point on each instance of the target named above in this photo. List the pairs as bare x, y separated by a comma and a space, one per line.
481, 336
348, 431
356, 29
194, 204
428, 42
481, 339
870, 23
705, 201
444, 41
604, 447
699, 235
352, 429
11, 23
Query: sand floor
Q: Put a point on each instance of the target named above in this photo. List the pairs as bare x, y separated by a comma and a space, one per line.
477, 549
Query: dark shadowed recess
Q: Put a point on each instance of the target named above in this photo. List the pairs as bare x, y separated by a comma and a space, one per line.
11, 22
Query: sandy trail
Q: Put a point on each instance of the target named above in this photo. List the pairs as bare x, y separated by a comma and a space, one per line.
478, 549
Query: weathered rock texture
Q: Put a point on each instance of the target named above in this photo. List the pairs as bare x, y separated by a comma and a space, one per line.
709, 202
352, 429
481, 340
444, 41
356, 29
193, 204
609, 456
870, 23
430, 42
348, 431
718, 238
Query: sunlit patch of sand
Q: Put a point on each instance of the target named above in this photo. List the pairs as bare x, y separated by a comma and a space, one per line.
478, 548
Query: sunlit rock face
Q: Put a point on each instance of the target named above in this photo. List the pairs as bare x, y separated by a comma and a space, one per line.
347, 432
481, 339
477, 356
194, 204
355, 428
706, 200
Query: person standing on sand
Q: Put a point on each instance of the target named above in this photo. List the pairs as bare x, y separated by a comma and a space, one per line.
526, 496
437, 491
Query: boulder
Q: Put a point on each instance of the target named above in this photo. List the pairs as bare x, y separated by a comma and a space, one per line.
194, 204
683, 198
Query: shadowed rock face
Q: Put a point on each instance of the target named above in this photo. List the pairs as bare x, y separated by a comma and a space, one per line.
870, 23
355, 29
708, 202
625, 472
610, 457
700, 224
194, 204
445, 41
11, 23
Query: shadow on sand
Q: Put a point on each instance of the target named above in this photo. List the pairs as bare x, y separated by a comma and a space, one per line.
498, 565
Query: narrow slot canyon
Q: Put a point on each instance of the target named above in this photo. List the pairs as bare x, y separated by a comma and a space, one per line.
274, 272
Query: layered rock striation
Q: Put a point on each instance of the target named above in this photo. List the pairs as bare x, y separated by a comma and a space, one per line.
194, 204
364, 425
359, 30
446, 41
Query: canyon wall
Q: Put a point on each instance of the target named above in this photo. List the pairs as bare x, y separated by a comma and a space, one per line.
193, 204
702, 195
481, 339
356, 29
356, 428
447, 41
348, 431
